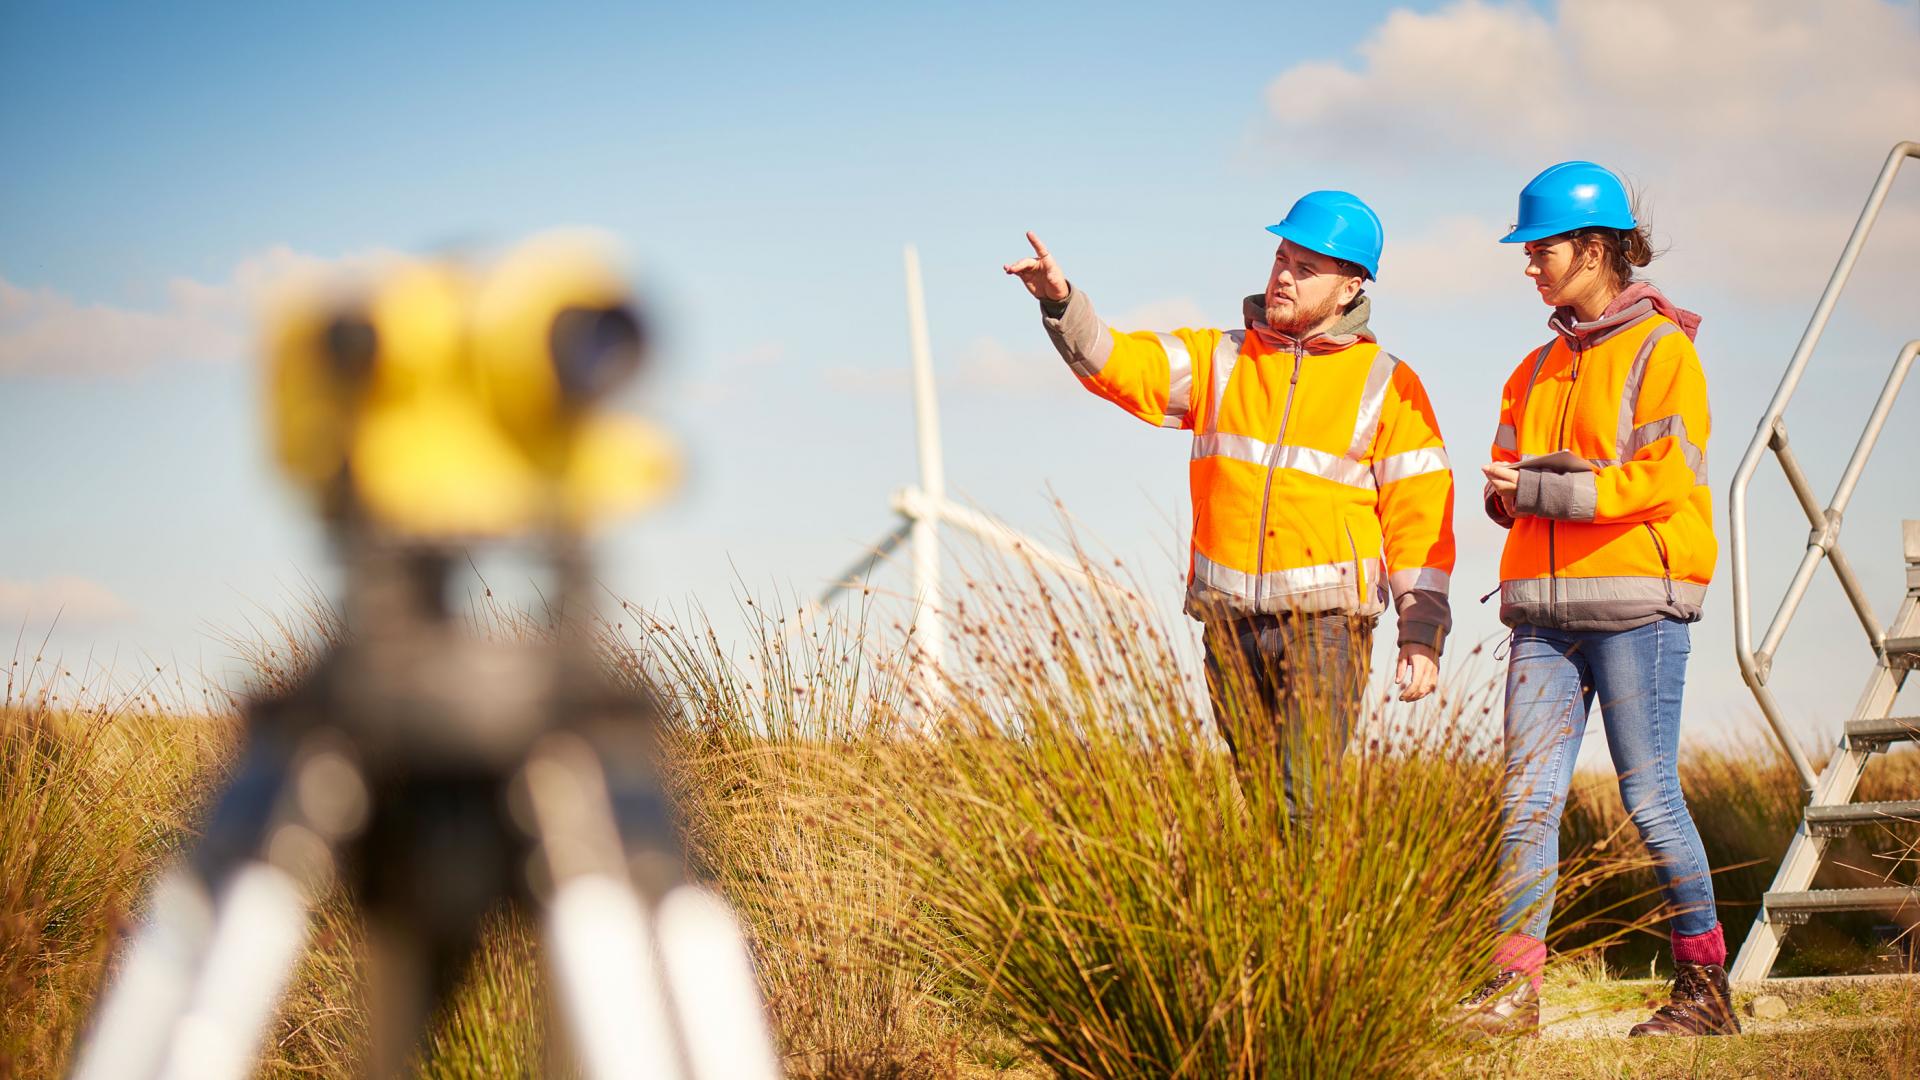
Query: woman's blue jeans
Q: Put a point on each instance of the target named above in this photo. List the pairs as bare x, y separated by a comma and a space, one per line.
1553, 680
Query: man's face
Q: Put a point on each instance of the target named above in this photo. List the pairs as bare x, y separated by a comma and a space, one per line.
1306, 289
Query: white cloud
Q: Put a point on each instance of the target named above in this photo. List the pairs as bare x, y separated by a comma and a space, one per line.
46, 332
1451, 257
75, 600
988, 367
1754, 127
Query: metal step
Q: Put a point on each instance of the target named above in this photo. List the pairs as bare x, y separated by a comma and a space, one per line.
1794, 907
1875, 734
1903, 651
1836, 820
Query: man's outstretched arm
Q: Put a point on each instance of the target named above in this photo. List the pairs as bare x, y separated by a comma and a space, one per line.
1150, 375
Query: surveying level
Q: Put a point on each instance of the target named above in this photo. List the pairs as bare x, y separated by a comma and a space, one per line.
436, 773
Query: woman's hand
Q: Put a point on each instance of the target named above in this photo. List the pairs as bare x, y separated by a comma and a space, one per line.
1504, 481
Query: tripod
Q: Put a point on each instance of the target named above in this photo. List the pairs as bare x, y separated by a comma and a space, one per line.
439, 775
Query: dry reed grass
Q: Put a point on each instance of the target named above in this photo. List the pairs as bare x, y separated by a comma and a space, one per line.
1066, 871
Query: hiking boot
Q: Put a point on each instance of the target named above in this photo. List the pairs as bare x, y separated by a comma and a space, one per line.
1701, 1005
1503, 1006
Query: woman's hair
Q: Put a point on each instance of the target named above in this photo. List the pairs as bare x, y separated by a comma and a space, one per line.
1622, 249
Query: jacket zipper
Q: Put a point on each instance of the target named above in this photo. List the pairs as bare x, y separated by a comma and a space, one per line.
1273, 462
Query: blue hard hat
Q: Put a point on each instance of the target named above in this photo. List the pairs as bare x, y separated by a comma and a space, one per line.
1334, 223
1571, 195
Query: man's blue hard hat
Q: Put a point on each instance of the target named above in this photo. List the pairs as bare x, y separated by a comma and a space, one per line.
1334, 223
1568, 196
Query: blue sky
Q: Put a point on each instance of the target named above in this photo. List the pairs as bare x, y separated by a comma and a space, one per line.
764, 165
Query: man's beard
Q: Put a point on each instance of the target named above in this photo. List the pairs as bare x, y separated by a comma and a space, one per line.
1303, 320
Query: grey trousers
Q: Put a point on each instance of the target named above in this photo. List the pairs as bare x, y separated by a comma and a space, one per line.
1292, 686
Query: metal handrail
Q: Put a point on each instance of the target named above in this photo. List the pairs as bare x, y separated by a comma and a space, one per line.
1824, 541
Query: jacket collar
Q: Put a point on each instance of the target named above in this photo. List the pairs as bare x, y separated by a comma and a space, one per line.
1350, 328
1635, 304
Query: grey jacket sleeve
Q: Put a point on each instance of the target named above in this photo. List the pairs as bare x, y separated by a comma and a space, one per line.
1424, 617
1077, 332
1561, 496
1492, 504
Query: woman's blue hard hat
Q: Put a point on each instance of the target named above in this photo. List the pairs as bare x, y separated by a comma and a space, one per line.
1335, 223
1568, 196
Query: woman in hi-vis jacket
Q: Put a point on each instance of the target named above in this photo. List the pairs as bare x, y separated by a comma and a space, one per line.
1599, 473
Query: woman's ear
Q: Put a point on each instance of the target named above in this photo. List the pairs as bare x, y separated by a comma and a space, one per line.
1594, 253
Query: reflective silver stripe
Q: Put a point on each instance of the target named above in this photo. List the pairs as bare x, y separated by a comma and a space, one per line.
1654, 430
1320, 463
1226, 353
1238, 447
1427, 578
1373, 400
1179, 379
1539, 361
1630, 392
1325, 587
1504, 438
1411, 463
1298, 458
1589, 590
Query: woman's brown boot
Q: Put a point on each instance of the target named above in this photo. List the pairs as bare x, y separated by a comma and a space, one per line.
1701, 1004
1505, 1005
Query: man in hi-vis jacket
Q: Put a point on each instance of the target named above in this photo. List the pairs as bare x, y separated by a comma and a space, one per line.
1320, 484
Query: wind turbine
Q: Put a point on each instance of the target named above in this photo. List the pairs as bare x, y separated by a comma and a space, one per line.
922, 509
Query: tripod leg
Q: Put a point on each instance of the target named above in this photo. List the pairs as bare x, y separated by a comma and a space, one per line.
707, 973
602, 946
599, 936
147, 996
710, 975
202, 977
200, 982
261, 931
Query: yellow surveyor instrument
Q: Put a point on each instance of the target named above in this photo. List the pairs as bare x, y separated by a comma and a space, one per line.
449, 401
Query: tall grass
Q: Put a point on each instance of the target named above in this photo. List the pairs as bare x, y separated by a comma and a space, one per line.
93, 794
759, 749
1128, 902
1051, 851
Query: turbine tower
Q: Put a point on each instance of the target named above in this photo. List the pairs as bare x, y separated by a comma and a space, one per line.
922, 509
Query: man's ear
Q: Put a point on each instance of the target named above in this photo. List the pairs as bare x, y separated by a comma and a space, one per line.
1350, 288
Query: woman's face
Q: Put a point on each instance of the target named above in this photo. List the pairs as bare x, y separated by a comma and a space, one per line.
1557, 271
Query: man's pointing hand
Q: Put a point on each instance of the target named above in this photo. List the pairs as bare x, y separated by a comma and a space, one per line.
1040, 274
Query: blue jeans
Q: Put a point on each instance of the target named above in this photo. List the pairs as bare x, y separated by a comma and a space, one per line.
1292, 686
1553, 677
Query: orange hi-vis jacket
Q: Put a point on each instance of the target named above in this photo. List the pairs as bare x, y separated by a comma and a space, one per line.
1631, 542
1319, 479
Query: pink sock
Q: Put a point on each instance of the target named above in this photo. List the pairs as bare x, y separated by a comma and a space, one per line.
1523, 953
1707, 948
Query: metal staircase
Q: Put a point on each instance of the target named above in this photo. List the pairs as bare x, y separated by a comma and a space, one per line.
1830, 810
